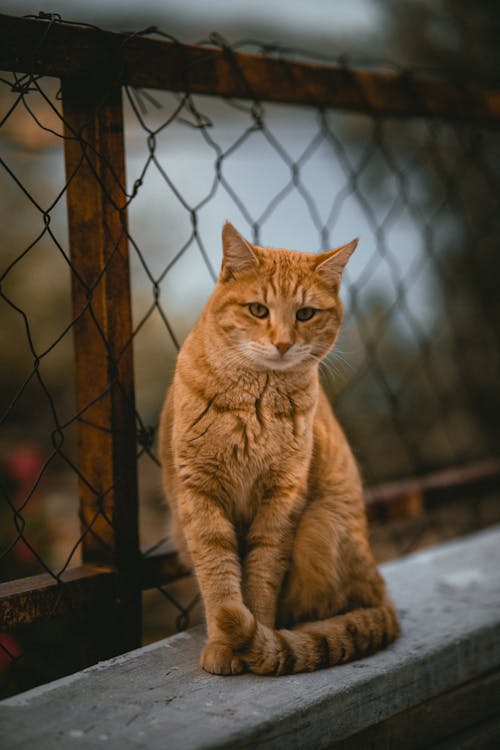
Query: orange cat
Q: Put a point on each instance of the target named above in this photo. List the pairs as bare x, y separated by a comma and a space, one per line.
266, 499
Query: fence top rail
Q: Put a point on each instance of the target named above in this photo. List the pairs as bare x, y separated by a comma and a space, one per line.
47, 46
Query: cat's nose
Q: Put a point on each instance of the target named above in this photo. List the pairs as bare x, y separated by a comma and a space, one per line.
283, 346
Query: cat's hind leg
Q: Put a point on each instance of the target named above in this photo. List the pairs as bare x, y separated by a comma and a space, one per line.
332, 568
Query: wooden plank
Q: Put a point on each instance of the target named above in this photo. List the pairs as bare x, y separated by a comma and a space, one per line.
450, 717
42, 597
96, 199
58, 49
407, 497
159, 698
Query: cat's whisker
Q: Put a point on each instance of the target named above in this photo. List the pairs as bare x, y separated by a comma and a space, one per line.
336, 375
329, 370
232, 353
336, 355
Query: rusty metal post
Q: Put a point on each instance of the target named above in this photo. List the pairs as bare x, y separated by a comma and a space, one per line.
96, 200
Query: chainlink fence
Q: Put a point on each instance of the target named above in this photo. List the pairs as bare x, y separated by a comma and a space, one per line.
414, 378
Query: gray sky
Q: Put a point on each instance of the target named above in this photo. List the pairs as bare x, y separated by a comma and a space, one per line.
308, 23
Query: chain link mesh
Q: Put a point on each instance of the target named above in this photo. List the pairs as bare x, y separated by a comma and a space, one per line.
415, 375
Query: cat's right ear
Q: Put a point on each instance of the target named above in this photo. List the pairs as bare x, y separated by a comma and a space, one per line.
331, 264
238, 254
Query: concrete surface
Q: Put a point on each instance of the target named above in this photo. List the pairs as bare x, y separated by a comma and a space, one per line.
448, 598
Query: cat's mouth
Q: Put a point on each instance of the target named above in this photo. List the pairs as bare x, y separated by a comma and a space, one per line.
281, 362
276, 360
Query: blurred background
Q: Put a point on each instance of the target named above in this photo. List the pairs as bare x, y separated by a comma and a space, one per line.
415, 375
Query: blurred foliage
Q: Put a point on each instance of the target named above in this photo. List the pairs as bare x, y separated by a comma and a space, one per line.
461, 39
456, 37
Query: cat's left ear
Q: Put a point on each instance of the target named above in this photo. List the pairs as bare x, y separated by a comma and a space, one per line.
238, 254
331, 264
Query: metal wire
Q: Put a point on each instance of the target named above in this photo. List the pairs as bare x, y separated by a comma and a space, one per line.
414, 398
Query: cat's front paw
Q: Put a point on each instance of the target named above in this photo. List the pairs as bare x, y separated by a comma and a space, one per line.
219, 658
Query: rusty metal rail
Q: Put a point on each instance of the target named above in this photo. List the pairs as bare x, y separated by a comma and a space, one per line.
70, 50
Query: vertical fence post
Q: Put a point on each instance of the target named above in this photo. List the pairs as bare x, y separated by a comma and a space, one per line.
96, 200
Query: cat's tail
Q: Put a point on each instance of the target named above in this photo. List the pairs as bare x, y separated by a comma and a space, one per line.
311, 645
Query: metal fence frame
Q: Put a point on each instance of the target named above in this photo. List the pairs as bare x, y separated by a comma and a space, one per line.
93, 66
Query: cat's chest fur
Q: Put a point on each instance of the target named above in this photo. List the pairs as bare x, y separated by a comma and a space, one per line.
251, 432
253, 420
267, 409
268, 440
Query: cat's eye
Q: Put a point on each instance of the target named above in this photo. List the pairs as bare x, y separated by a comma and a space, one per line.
258, 310
305, 313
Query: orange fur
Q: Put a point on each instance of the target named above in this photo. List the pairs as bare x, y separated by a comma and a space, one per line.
266, 498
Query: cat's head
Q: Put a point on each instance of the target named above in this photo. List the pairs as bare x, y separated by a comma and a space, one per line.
278, 309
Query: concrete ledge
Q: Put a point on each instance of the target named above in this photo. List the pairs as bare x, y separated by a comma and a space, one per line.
448, 598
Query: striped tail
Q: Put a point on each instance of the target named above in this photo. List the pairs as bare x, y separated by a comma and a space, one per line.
309, 646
